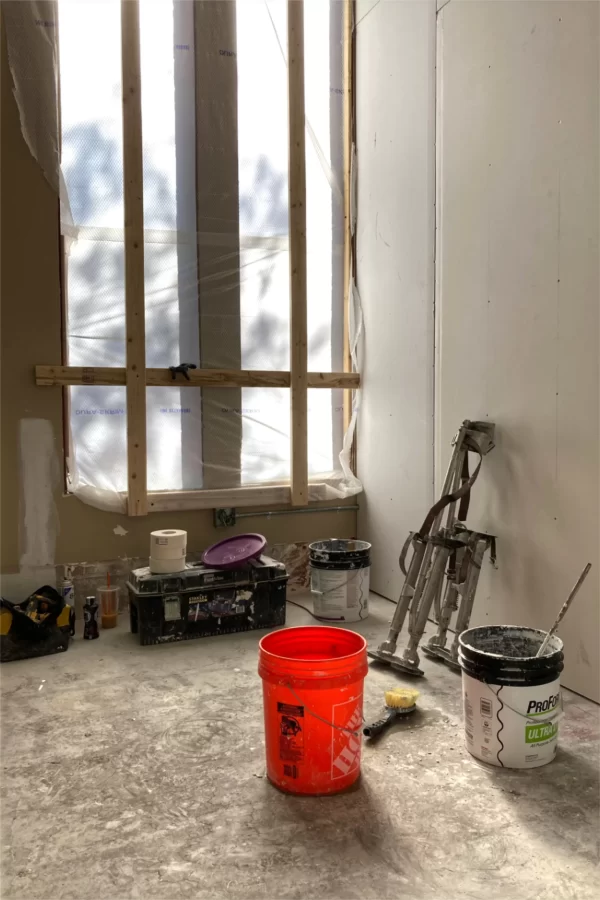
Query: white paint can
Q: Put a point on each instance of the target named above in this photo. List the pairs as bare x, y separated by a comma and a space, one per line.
512, 700
339, 579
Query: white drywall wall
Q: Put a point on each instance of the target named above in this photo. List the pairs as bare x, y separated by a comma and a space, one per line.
517, 300
395, 109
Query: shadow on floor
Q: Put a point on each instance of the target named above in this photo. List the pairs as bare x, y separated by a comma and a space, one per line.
358, 832
559, 801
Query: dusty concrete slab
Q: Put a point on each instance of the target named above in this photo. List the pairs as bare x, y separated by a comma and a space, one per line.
135, 771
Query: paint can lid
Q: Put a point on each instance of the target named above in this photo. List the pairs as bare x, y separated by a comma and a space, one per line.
233, 551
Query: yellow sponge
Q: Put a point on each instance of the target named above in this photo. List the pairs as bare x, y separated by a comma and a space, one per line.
401, 698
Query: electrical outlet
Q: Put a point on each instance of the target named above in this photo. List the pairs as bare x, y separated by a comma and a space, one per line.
224, 516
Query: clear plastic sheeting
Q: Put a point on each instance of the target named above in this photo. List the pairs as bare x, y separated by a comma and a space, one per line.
92, 162
91, 159
98, 464
263, 178
215, 156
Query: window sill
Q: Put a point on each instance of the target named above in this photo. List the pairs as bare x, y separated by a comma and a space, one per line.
251, 495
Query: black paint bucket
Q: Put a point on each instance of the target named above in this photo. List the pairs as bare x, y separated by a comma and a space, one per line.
512, 701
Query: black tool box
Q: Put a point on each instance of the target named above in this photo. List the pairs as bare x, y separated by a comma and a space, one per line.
200, 602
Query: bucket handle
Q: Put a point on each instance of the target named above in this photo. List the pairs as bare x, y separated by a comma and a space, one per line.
336, 588
320, 718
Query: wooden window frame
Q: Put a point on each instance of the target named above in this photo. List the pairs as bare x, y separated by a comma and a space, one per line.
136, 377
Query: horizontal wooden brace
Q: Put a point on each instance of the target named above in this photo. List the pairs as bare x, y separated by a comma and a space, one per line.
226, 378
252, 495
243, 496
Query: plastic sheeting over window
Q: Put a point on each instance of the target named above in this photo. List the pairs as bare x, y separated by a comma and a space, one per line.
215, 147
91, 119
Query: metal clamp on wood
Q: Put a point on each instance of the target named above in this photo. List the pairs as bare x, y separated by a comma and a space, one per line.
182, 368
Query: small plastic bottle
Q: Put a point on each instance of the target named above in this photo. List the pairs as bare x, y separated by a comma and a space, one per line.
90, 619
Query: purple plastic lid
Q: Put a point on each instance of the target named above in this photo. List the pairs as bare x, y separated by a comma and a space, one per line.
233, 551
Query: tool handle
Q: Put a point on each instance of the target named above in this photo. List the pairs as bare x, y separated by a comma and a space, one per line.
563, 609
376, 728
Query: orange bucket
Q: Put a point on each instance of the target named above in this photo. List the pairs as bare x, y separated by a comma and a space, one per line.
313, 701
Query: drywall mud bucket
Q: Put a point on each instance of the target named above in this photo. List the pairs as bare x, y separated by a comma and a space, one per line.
313, 700
512, 700
340, 573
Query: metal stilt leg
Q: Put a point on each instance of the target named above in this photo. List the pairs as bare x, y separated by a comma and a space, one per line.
433, 546
419, 565
475, 550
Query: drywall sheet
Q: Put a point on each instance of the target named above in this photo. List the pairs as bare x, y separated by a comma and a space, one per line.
395, 116
517, 300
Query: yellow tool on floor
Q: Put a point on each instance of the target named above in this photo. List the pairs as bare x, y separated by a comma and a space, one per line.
40, 625
399, 702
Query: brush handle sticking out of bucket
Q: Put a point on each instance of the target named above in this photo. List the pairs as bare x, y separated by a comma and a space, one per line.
564, 609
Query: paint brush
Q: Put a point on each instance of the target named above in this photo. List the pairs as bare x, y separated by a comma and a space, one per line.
398, 702
563, 609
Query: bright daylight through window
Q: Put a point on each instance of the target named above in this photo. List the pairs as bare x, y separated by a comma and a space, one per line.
217, 293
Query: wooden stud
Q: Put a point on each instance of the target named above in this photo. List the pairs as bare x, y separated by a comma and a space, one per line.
347, 125
297, 229
251, 495
135, 327
49, 376
63, 268
333, 380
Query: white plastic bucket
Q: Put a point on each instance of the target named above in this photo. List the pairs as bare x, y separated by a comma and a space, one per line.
512, 699
340, 573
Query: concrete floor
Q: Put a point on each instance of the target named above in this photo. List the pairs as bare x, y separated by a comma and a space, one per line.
138, 772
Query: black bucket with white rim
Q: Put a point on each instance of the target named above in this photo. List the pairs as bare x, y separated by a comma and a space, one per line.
512, 699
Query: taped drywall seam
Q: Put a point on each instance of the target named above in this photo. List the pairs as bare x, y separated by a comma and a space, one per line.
356, 325
353, 189
39, 479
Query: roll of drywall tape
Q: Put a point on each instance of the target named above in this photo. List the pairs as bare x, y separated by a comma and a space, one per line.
167, 566
169, 543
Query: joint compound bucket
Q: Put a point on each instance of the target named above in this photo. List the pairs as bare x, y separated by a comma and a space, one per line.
512, 700
313, 701
339, 579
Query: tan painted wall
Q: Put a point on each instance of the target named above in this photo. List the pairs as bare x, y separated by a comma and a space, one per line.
30, 313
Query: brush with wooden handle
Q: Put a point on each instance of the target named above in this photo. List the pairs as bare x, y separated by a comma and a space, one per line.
563, 610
